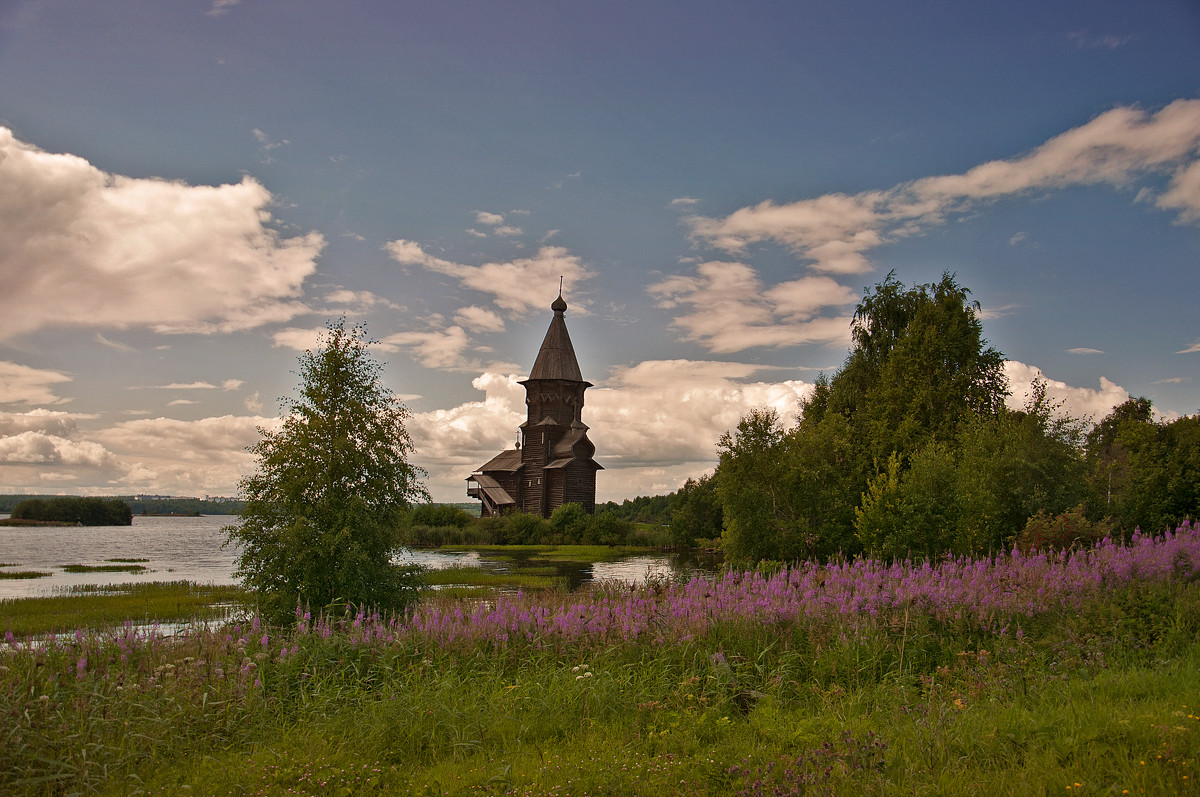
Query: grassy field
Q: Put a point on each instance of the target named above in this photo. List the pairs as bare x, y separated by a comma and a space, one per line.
1075, 675
92, 607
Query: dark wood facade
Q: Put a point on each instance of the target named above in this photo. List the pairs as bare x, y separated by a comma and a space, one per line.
554, 463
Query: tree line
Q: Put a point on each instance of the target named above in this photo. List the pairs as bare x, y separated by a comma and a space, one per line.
75, 510
910, 450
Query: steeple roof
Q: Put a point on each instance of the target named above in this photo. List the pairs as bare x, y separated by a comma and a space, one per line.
556, 358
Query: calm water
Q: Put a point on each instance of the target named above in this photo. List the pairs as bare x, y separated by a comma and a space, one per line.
179, 548
189, 548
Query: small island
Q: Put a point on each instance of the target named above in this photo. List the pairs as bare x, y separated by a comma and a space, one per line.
70, 511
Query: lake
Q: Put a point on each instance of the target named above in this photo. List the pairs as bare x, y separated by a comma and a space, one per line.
189, 549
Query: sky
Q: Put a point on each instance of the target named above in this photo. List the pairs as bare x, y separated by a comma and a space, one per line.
190, 190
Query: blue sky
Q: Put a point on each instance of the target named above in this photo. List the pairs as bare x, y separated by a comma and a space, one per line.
189, 190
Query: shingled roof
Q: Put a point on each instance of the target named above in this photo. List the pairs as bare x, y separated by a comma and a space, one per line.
556, 358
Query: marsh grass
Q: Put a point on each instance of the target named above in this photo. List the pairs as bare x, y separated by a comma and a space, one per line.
118, 559
96, 607
109, 568
18, 574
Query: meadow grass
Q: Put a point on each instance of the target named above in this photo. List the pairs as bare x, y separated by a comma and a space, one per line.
97, 607
1075, 674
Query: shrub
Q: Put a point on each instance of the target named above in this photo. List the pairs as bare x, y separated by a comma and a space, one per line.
438, 515
1046, 532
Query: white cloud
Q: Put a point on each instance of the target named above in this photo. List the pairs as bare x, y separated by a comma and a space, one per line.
1193, 349
184, 457
1084, 350
298, 339
517, 286
349, 302
835, 231
51, 422
1183, 194
20, 384
727, 309
181, 402
227, 385
112, 344
435, 347
490, 219
80, 247
663, 412
39, 448
480, 319
1080, 402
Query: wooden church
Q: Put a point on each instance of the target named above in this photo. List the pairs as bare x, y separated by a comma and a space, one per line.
553, 464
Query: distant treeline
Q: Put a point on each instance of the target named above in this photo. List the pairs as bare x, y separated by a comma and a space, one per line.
143, 505
75, 510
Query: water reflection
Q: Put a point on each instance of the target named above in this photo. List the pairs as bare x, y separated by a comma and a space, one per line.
633, 569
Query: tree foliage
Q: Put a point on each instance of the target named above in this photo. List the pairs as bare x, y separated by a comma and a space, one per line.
918, 372
330, 488
87, 511
1144, 474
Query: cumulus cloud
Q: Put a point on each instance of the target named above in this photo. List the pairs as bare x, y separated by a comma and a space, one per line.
348, 302
298, 338
480, 319
51, 422
81, 247
39, 448
20, 384
184, 457
663, 412
726, 309
1080, 402
1183, 194
516, 286
834, 232
435, 347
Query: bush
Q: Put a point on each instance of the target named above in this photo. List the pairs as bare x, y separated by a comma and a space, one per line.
1045, 532
439, 515
521, 528
570, 520
607, 529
